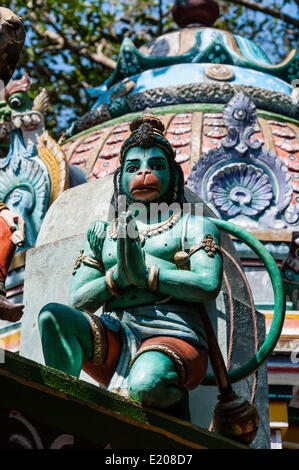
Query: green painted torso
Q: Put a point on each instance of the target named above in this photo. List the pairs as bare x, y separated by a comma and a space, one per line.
199, 284
159, 250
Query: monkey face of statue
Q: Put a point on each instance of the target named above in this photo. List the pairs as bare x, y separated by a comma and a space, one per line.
146, 174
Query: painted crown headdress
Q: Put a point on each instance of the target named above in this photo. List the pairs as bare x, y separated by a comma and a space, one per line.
147, 131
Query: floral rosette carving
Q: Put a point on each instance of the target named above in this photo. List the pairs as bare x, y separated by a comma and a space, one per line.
240, 188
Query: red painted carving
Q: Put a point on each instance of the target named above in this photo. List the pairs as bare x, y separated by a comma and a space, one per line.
179, 133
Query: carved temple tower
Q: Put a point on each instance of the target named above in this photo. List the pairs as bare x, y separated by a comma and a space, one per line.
232, 117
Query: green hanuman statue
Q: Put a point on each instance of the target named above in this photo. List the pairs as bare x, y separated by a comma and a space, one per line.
139, 284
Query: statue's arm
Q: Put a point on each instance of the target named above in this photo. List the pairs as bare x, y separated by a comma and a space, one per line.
203, 281
88, 288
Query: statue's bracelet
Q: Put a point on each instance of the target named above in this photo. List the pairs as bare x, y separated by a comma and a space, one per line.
153, 278
111, 284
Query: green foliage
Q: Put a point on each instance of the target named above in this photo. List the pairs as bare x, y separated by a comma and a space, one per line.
73, 45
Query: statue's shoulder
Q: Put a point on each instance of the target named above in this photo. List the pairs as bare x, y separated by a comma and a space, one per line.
198, 227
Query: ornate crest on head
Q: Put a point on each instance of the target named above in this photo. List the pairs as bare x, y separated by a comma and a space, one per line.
147, 131
14, 86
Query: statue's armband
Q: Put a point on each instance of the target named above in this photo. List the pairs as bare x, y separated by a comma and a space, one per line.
87, 261
208, 245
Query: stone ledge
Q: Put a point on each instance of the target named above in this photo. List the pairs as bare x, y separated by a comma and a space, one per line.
73, 406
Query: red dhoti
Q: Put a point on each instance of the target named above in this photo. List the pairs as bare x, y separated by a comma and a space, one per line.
191, 361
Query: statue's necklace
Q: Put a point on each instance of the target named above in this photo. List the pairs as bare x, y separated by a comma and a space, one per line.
148, 232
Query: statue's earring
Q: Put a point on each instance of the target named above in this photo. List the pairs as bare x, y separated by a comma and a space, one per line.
176, 187
175, 193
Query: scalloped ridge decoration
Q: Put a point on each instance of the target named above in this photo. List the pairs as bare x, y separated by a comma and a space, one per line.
210, 46
51, 153
41, 102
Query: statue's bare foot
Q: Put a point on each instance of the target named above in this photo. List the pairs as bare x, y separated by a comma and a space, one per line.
9, 311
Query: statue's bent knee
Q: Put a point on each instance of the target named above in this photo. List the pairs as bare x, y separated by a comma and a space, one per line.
57, 319
51, 307
153, 380
48, 313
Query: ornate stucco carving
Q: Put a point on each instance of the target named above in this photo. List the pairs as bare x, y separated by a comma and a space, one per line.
242, 180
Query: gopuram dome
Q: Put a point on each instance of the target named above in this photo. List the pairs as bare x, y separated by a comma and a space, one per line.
187, 77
